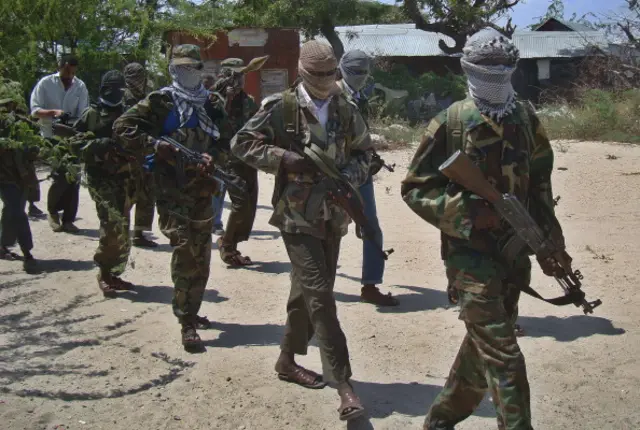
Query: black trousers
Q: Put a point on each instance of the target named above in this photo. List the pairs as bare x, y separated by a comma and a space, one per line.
64, 197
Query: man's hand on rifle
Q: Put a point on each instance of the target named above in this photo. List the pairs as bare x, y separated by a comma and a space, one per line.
206, 166
293, 162
483, 216
165, 151
556, 266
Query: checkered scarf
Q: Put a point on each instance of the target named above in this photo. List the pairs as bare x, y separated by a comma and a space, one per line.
489, 60
190, 99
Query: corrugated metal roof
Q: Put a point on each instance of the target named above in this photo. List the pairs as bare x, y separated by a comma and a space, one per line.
404, 40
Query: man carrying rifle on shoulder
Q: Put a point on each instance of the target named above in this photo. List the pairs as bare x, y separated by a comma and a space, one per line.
184, 189
505, 140
311, 117
240, 107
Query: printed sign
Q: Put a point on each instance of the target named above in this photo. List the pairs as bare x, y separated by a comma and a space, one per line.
273, 81
248, 37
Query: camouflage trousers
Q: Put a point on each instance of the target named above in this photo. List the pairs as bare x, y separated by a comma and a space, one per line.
489, 358
145, 203
311, 309
243, 207
113, 205
187, 224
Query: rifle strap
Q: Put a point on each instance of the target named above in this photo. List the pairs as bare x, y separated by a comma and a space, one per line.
455, 129
575, 296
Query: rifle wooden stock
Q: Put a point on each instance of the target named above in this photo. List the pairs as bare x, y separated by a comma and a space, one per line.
460, 169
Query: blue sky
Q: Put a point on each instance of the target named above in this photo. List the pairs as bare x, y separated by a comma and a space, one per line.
524, 13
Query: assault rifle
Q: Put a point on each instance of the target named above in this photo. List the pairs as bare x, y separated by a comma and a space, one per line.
460, 169
186, 156
375, 158
343, 193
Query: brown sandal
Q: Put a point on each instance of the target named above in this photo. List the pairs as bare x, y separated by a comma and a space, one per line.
7, 255
122, 285
303, 377
202, 323
350, 407
231, 256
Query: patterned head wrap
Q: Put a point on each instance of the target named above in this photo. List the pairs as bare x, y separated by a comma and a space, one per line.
317, 67
135, 77
489, 60
111, 88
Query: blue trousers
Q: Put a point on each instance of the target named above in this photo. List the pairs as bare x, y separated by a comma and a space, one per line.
218, 206
14, 224
372, 261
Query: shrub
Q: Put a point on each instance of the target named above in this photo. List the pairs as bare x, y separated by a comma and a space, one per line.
596, 115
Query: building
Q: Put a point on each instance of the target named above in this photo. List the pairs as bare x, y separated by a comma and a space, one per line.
550, 54
280, 44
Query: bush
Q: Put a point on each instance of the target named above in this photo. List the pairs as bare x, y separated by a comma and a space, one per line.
596, 115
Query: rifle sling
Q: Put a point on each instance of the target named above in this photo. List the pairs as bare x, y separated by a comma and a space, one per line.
574, 297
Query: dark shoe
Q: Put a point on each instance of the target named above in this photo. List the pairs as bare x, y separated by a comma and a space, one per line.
35, 212
143, 242
6, 254
54, 222
371, 294
69, 227
190, 338
110, 285
30, 265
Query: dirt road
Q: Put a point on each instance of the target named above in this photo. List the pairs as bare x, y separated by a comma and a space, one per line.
70, 358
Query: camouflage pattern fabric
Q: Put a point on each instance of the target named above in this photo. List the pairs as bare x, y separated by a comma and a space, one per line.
517, 158
108, 173
145, 198
243, 208
185, 213
262, 142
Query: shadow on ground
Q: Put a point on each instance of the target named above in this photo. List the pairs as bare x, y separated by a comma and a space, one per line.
164, 294
568, 329
245, 335
412, 399
64, 265
422, 299
274, 267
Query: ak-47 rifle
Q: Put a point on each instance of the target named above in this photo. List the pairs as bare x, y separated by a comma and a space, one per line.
340, 190
460, 169
186, 156
375, 158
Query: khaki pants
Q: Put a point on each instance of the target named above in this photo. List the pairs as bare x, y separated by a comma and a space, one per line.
311, 309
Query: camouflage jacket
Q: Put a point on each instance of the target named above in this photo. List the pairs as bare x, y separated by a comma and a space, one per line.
146, 121
239, 110
515, 156
362, 102
262, 142
16, 160
129, 99
102, 155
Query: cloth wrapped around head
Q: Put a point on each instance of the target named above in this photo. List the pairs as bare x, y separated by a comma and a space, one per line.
355, 67
135, 77
489, 61
112, 88
11, 94
317, 67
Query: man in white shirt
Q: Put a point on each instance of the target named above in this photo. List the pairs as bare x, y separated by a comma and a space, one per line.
54, 96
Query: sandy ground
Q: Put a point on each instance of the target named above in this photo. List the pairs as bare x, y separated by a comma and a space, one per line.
72, 359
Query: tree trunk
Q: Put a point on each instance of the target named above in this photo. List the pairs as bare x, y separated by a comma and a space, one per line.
328, 30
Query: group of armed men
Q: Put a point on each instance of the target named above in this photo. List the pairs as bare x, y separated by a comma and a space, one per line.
324, 113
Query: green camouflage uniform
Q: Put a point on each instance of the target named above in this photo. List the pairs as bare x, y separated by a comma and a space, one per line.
185, 212
145, 199
517, 158
312, 240
109, 172
243, 208
17, 168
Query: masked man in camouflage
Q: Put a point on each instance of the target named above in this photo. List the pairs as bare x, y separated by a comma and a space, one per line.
240, 107
17, 173
312, 114
183, 194
505, 138
354, 68
109, 168
135, 78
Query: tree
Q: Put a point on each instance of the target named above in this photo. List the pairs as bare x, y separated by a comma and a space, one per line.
556, 10
629, 23
458, 18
